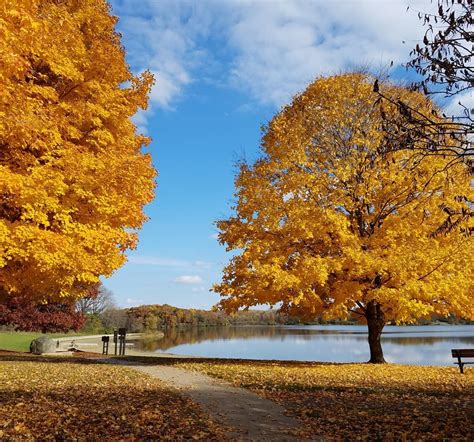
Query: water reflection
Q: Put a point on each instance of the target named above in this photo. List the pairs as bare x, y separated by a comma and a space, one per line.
409, 345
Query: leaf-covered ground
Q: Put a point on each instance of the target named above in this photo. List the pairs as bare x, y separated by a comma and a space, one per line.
360, 401
71, 401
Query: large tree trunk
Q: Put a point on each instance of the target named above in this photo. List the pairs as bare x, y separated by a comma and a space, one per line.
375, 321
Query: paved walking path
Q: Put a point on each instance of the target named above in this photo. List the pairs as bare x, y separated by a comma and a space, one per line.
251, 416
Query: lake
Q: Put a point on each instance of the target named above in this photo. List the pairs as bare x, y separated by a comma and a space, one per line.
420, 345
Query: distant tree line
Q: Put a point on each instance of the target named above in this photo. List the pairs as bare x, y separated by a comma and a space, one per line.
99, 314
150, 318
153, 318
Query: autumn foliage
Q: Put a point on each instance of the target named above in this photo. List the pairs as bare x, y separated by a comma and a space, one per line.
73, 178
23, 314
76, 401
360, 401
327, 223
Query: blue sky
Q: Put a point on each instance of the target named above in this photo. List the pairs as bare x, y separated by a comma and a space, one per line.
222, 69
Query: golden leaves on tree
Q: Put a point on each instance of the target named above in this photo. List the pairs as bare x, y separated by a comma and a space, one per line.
73, 178
326, 223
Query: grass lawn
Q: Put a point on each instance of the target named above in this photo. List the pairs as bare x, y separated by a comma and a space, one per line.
63, 400
20, 341
361, 401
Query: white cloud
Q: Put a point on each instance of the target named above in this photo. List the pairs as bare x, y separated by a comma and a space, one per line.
214, 236
269, 50
169, 262
162, 36
198, 289
189, 279
455, 109
130, 302
203, 264
282, 46
140, 119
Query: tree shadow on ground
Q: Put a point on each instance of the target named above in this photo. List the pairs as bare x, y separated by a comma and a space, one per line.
28, 357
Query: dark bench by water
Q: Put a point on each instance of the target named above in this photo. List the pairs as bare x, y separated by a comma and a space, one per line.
462, 353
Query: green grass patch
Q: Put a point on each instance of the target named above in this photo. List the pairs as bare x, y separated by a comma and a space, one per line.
20, 341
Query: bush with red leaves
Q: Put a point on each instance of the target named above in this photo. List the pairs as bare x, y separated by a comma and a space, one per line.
24, 315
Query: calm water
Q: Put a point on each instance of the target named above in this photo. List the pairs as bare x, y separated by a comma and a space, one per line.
426, 345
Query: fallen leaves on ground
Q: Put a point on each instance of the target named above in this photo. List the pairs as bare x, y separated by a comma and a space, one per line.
71, 401
362, 401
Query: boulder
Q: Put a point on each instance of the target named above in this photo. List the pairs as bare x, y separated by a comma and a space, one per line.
41, 345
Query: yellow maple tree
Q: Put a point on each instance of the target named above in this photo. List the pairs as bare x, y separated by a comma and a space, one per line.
73, 177
325, 224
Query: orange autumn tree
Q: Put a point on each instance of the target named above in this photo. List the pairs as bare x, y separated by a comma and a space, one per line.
73, 178
326, 225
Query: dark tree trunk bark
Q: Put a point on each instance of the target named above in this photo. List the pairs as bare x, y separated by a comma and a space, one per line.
375, 321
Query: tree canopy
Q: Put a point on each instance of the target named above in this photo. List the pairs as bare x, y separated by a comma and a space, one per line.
325, 224
73, 178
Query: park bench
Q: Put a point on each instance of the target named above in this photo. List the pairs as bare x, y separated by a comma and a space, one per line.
462, 353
